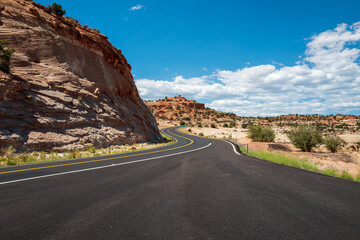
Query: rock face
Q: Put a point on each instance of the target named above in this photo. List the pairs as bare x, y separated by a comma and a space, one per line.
176, 101
179, 108
68, 87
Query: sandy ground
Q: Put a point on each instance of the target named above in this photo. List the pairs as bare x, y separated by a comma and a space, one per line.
350, 138
342, 161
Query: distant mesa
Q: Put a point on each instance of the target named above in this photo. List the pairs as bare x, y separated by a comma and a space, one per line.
176, 101
179, 108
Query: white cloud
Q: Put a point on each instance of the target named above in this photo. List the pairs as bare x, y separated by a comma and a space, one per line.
325, 80
136, 7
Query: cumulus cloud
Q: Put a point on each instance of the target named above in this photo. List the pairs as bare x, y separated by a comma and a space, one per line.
136, 7
326, 80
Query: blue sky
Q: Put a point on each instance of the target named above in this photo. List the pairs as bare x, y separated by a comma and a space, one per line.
218, 43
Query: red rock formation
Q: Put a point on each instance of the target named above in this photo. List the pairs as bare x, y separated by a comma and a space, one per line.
179, 108
68, 87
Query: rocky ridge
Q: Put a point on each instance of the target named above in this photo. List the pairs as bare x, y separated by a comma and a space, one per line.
68, 87
179, 108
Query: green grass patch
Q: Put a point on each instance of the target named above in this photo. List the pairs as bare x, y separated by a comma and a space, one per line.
300, 163
284, 160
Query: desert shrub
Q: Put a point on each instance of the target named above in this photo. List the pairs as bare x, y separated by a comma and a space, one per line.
213, 125
96, 30
189, 130
182, 123
201, 134
200, 125
225, 125
332, 143
259, 133
57, 9
177, 107
244, 125
5, 56
9, 151
232, 124
91, 149
305, 137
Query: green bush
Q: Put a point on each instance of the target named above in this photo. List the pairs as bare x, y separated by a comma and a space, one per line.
332, 143
259, 133
213, 125
225, 125
182, 123
200, 125
57, 9
5, 56
305, 137
201, 134
189, 130
232, 124
91, 149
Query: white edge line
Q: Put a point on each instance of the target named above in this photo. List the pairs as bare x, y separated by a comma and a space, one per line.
232, 144
106, 166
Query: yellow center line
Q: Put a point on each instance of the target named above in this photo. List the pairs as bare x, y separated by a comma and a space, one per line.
106, 159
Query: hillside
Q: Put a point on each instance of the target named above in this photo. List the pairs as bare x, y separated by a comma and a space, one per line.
178, 108
68, 87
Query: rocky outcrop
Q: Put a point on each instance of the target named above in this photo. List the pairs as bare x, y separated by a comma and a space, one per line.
176, 101
68, 87
179, 108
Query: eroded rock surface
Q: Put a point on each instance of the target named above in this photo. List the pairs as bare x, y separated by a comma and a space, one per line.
68, 87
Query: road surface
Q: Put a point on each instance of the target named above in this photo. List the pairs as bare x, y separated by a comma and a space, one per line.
196, 188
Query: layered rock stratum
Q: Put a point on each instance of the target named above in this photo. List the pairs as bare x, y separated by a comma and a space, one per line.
68, 87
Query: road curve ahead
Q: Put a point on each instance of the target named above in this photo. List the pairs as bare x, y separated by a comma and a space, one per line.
196, 188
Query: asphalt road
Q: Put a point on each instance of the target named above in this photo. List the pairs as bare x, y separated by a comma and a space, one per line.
186, 190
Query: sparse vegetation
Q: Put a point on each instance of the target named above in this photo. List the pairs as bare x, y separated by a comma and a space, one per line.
300, 163
225, 125
5, 56
213, 125
305, 137
9, 156
182, 123
259, 133
332, 143
201, 134
57, 9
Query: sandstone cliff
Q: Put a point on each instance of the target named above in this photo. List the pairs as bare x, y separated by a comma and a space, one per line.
68, 87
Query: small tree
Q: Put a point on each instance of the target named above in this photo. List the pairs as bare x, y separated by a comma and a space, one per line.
182, 123
225, 125
305, 137
332, 143
5, 56
200, 125
259, 133
57, 9
213, 125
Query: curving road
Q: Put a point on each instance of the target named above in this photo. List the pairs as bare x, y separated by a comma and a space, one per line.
196, 188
